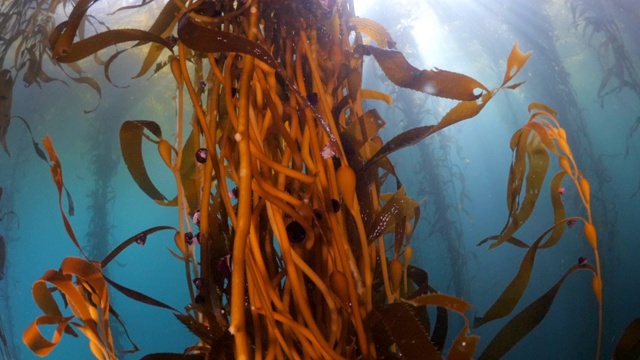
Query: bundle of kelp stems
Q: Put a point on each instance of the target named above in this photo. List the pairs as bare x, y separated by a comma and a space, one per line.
293, 187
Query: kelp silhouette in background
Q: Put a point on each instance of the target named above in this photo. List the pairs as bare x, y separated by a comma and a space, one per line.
605, 27
292, 261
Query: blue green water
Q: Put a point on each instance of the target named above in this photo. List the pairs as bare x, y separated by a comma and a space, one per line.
565, 72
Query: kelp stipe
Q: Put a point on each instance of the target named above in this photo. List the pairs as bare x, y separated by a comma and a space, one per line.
293, 259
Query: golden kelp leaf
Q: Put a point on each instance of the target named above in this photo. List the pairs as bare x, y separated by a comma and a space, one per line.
511, 295
526, 320
6, 95
89, 302
373, 30
399, 206
464, 110
558, 209
410, 337
443, 300
536, 106
365, 127
36, 342
435, 82
56, 173
538, 162
628, 347
464, 346
200, 38
369, 94
131, 133
516, 61
400, 141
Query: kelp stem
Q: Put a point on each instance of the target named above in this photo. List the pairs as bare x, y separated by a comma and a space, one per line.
238, 322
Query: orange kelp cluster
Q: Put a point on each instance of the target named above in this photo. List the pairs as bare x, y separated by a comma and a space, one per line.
290, 249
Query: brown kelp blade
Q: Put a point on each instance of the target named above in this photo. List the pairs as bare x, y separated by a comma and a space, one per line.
64, 50
6, 95
537, 163
138, 296
410, 337
208, 40
526, 320
399, 206
628, 347
435, 82
56, 173
134, 239
210, 334
131, 134
400, 141
89, 302
512, 294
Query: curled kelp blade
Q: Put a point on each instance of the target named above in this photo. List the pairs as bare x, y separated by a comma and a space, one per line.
437, 82
134, 239
628, 347
374, 30
6, 95
537, 163
56, 173
131, 134
65, 50
526, 320
88, 301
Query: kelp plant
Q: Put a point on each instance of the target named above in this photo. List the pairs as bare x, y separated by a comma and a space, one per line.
290, 248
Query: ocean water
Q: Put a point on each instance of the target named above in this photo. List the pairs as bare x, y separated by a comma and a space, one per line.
460, 174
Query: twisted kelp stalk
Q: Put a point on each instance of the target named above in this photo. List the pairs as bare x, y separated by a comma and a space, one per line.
277, 110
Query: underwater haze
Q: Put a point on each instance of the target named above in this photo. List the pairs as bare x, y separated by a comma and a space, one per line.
585, 64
